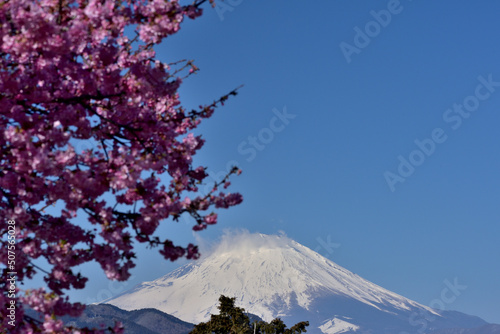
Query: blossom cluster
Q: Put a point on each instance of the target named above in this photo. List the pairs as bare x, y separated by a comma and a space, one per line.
69, 72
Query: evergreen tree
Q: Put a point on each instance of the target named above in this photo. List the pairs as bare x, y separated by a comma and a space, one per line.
233, 320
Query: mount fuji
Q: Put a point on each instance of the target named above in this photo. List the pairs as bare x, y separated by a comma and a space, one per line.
273, 276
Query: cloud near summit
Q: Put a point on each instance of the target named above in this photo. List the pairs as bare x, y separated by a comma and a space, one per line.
241, 243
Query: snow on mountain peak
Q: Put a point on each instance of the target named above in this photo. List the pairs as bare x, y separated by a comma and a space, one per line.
270, 276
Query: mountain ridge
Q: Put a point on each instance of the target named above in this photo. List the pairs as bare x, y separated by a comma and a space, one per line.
143, 321
274, 276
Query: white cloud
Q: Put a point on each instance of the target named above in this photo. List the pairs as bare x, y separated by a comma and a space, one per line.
240, 242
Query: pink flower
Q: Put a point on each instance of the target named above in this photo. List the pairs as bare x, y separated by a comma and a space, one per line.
69, 75
211, 219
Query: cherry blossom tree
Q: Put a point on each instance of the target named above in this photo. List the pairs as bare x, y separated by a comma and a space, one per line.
85, 70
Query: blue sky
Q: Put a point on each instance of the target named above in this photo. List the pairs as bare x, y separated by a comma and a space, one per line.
318, 171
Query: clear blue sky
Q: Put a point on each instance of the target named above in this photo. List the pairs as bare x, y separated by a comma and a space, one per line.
319, 174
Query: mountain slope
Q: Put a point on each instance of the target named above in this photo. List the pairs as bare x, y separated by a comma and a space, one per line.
145, 321
486, 329
274, 276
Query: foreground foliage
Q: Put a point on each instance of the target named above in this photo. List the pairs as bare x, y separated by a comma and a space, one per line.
69, 75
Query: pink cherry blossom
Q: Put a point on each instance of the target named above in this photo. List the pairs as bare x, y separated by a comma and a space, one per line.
70, 75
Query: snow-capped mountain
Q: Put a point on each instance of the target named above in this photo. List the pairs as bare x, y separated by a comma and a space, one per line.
274, 276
